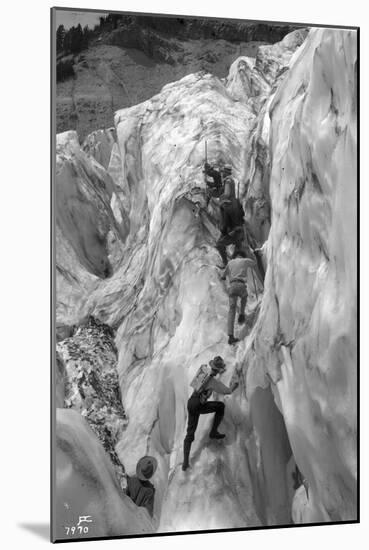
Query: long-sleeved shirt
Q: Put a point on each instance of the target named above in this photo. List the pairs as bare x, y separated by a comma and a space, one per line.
232, 214
237, 269
213, 385
217, 386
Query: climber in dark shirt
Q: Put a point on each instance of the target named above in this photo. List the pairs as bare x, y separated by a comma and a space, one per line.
215, 174
139, 488
199, 404
214, 188
232, 221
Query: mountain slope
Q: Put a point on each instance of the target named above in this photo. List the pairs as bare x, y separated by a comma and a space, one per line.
130, 63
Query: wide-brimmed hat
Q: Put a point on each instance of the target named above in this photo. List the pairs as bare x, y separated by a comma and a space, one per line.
146, 467
217, 364
227, 168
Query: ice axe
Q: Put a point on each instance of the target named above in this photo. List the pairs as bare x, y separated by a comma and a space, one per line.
206, 162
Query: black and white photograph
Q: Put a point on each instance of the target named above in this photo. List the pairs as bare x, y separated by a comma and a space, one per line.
204, 199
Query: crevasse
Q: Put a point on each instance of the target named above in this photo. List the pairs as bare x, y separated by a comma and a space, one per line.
286, 122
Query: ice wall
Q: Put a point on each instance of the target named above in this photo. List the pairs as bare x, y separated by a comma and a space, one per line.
255, 82
310, 288
86, 486
91, 226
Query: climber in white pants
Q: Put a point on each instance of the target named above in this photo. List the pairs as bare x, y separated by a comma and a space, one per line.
236, 271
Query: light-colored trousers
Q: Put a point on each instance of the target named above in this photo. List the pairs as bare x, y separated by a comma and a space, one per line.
236, 290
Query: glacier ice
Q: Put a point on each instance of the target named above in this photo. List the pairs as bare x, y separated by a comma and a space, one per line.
135, 248
310, 289
86, 486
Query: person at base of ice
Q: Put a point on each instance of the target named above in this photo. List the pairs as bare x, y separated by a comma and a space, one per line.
198, 404
139, 488
232, 220
236, 271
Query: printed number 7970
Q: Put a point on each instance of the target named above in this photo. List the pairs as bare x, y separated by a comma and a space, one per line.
76, 530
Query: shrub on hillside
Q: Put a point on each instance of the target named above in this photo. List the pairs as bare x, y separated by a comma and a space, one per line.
64, 70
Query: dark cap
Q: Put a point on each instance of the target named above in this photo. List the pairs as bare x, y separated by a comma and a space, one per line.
217, 364
146, 467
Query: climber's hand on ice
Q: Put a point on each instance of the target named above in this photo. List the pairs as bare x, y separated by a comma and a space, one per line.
234, 385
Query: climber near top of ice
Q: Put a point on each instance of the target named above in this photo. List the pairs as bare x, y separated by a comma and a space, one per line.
232, 220
236, 271
215, 187
198, 404
139, 488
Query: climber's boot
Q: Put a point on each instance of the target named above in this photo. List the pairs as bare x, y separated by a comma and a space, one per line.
241, 318
232, 340
216, 435
186, 454
219, 413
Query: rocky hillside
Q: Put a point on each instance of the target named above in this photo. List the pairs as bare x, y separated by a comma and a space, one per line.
132, 62
90, 384
136, 250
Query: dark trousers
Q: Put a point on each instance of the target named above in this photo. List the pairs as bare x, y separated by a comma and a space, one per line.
226, 240
195, 408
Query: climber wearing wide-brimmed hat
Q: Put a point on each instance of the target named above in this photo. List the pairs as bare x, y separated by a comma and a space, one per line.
199, 404
214, 184
139, 488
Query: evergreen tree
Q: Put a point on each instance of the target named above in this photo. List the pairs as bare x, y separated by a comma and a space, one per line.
64, 70
76, 39
60, 36
114, 19
68, 41
86, 37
